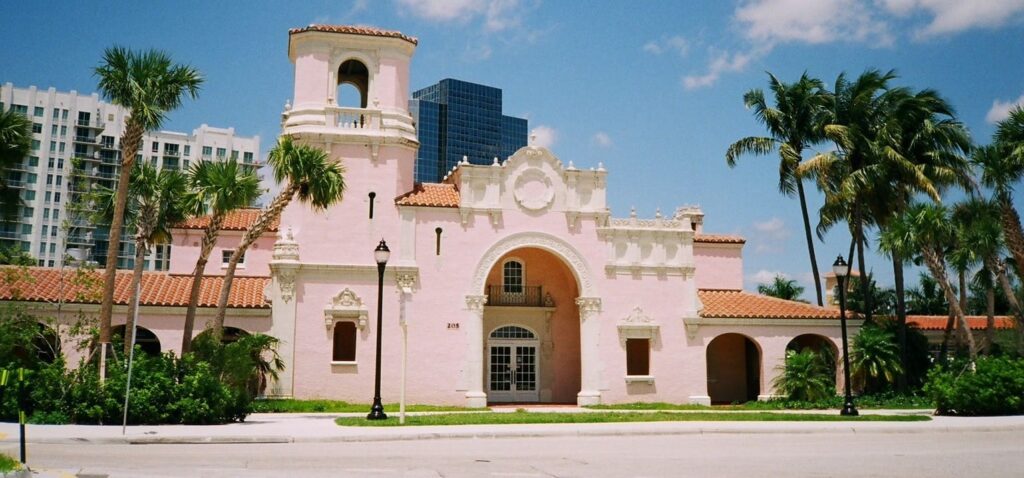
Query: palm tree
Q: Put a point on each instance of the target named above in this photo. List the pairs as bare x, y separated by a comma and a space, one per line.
215, 188
310, 176
15, 144
793, 126
1002, 166
786, 289
149, 85
927, 228
807, 375
875, 358
927, 298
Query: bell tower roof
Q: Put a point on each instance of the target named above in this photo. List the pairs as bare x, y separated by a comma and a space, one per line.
354, 30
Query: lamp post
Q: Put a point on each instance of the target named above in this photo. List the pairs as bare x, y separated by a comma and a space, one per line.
842, 272
381, 255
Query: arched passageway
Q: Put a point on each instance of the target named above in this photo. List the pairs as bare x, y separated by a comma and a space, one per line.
144, 338
734, 369
819, 344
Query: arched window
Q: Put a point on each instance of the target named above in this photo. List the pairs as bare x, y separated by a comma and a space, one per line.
356, 76
344, 341
512, 332
513, 277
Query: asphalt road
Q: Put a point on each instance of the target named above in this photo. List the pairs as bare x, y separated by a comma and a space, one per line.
933, 454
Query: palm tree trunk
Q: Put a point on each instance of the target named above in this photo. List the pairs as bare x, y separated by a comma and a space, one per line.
209, 240
935, 265
990, 320
947, 333
1013, 231
810, 241
268, 215
865, 290
1018, 314
129, 323
129, 147
962, 289
901, 321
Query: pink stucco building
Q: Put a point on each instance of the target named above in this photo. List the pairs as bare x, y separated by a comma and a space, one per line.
514, 281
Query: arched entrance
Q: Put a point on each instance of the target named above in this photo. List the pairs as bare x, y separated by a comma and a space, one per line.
734, 369
230, 335
353, 84
538, 283
144, 338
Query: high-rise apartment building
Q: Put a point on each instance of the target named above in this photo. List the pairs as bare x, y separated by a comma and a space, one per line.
456, 118
76, 145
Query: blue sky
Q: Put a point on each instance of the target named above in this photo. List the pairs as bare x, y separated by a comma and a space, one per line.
651, 89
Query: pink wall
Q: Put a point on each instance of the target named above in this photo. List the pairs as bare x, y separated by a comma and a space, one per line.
719, 266
186, 247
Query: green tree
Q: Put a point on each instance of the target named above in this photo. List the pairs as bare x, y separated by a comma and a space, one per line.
15, 144
14, 256
793, 125
807, 375
782, 288
927, 298
310, 176
882, 300
874, 358
215, 189
928, 228
149, 85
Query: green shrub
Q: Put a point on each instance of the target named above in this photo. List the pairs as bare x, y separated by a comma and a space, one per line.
874, 359
807, 375
8, 464
995, 387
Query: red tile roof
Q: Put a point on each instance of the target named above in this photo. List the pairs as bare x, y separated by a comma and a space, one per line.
718, 239
355, 30
976, 322
37, 284
430, 195
237, 220
745, 305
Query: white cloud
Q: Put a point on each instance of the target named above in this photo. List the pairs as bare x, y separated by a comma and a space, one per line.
543, 136
674, 43
497, 15
765, 276
954, 16
480, 51
602, 139
722, 62
773, 228
1000, 110
811, 21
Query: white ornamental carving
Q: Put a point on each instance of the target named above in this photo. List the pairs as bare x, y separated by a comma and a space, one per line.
346, 306
589, 307
405, 282
476, 303
540, 240
637, 325
533, 190
286, 282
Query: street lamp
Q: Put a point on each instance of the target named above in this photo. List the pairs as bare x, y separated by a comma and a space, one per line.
381, 255
842, 271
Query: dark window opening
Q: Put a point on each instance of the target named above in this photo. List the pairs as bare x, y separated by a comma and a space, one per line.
638, 357
344, 342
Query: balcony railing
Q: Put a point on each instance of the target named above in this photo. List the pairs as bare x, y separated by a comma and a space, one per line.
355, 118
527, 296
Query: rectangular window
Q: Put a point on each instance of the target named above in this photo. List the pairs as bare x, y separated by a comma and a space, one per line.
185, 163
27, 212
37, 128
344, 342
46, 213
49, 263
156, 147
49, 196
225, 257
207, 151
30, 195
38, 112
83, 118
60, 179
64, 115
49, 179
60, 163
33, 161
31, 178
56, 114
53, 248
51, 163
188, 150
26, 229
221, 152
53, 130
42, 262
63, 131
20, 109
62, 144
638, 357
247, 157
56, 200
53, 146
56, 214
234, 154
45, 229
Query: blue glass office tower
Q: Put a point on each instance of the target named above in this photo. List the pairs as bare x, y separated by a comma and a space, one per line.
454, 119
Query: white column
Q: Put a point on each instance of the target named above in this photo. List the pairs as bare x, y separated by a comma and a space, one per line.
474, 327
590, 334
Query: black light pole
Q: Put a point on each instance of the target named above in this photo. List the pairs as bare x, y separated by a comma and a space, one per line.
842, 271
381, 255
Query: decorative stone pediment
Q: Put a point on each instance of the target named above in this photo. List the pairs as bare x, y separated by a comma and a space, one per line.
346, 306
637, 325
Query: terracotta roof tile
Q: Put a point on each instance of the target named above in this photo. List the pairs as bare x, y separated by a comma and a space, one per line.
37, 284
976, 322
237, 220
746, 305
718, 239
355, 30
430, 195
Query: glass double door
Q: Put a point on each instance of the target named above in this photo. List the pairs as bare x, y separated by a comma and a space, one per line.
512, 372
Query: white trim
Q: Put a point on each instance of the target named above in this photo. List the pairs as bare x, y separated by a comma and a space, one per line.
649, 379
693, 324
565, 252
344, 363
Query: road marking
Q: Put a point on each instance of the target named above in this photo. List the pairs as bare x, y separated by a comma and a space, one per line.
512, 473
370, 470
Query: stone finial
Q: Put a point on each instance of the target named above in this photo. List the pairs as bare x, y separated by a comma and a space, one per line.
533, 139
657, 213
465, 160
571, 166
287, 105
495, 163
600, 166
632, 212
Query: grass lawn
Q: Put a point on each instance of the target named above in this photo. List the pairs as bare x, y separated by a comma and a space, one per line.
338, 406
490, 418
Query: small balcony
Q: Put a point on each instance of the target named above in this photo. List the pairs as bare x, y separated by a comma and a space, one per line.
526, 296
354, 118
89, 140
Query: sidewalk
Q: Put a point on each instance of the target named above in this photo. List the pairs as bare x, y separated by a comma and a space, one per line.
302, 428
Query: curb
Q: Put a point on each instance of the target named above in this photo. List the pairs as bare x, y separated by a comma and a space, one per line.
455, 433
